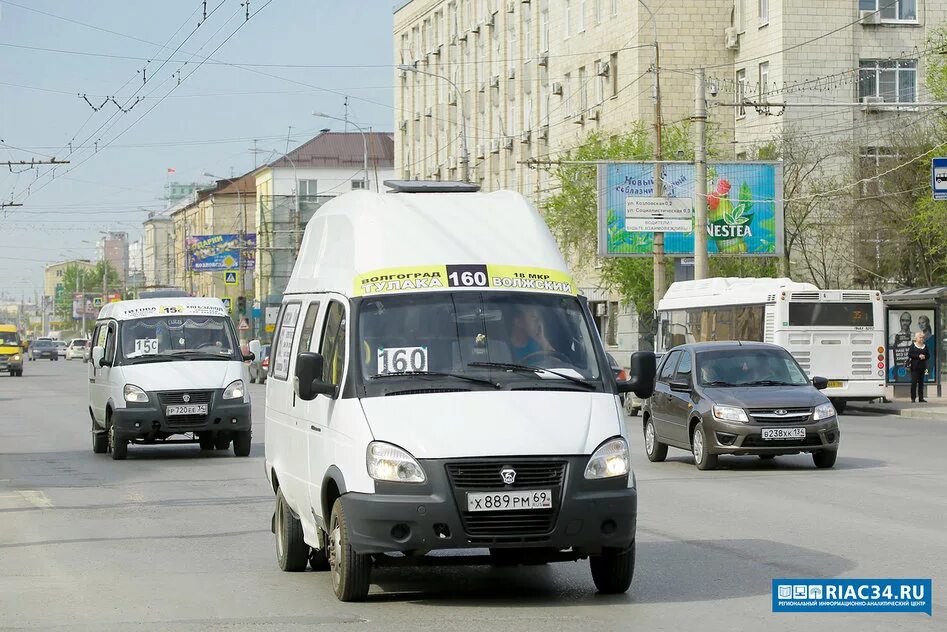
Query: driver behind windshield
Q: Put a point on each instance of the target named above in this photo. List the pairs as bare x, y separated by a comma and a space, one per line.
527, 335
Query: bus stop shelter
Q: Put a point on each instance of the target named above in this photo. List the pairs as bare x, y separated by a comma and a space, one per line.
907, 312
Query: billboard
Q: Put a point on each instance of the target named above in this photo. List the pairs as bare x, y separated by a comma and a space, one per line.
744, 208
902, 325
86, 305
217, 253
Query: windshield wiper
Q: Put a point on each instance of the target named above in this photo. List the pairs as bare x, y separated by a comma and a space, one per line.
535, 370
717, 383
154, 357
766, 383
459, 376
202, 355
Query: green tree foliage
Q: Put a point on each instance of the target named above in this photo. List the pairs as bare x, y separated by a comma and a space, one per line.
571, 213
77, 278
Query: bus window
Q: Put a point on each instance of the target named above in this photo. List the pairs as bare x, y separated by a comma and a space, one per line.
748, 322
831, 315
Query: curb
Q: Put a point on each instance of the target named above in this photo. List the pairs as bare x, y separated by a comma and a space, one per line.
935, 412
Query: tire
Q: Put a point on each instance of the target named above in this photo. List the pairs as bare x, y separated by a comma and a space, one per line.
824, 459
19, 373
241, 443
350, 571
766, 457
319, 558
118, 445
222, 442
702, 458
655, 450
612, 571
100, 441
207, 441
292, 552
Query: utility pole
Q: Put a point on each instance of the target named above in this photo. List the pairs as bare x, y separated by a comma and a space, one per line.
701, 263
32, 162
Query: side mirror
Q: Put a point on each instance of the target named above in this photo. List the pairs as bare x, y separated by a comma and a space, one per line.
255, 348
641, 377
680, 386
820, 383
98, 356
308, 379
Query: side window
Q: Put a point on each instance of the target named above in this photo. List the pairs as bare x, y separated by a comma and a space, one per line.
685, 367
309, 325
667, 369
333, 344
110, 342
100, 335
283, 343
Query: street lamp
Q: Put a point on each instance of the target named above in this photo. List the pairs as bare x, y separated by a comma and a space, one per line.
364, 142
464, 156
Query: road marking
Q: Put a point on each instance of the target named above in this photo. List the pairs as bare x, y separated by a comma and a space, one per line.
35, 498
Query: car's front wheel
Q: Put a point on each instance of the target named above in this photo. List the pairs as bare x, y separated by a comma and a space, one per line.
241, 443
703, 459
351, 571
612, 571
655, 450
824, 458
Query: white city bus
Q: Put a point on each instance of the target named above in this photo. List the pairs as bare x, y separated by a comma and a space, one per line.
836, 334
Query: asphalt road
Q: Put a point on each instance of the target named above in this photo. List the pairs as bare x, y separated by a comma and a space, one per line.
172, 539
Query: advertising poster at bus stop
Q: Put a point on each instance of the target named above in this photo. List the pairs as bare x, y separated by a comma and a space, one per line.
744, 208
903, 324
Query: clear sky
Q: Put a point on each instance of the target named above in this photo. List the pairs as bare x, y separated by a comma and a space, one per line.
207, 123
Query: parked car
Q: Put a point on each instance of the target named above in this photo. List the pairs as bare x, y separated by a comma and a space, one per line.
42, 349
61, 347
742, 398
260, 365
76, 349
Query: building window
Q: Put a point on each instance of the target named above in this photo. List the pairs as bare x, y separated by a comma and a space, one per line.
59, 273
567, 94
600, 80
614, 7
544, 28
892, 10
581, 16
895, 81
568, 21
764, 82
307, 188
613, 73
764, 12
597, 5
583, 91
741, 93
359, 184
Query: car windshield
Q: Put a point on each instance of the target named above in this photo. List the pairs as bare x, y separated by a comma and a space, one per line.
78, 342
749, 366
178, 335
42, 343
477, 335
9, 338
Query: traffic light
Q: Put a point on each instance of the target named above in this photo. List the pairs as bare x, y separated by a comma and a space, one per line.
241, 304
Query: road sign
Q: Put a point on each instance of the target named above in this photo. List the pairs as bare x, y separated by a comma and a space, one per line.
97, 301
230, 278
244, 325
663, 214
227, 304
939, 178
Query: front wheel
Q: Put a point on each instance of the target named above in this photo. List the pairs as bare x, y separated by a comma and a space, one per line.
222, 442
351, 571
824, 458
839, 405
241, 443
206, 441
118, 444
703, 459
655, 450
292, 552
612, 571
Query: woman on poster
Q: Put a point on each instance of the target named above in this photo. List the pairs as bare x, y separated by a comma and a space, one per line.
917, 364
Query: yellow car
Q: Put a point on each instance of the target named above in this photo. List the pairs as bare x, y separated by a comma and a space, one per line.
11, 351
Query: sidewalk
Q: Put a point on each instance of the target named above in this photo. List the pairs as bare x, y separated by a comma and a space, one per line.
933, 408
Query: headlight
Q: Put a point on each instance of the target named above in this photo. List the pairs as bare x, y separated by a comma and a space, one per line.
609, 460
388, 462
135, 395
823, 411
235, 390
730, 413
16, 357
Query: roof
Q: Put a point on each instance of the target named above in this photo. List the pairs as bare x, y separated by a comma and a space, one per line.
148, 307
341, 149
364, 232
725, 291
917, 294
81, 262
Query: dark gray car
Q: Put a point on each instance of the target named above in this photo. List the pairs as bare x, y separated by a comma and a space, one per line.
743, 398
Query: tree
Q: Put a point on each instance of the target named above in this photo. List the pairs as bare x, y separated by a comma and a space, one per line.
75, 278
112, 279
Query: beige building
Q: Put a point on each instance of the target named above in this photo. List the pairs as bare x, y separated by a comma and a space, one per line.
225, 209
53, 274
157, 253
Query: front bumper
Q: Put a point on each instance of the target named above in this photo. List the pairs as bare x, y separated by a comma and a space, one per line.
7, 363
740, 438
587, 516
149, 420
46, 355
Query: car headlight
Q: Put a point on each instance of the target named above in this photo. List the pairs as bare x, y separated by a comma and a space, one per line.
235, 390
609, 460
823, 411
388, 462
730, 413
16, 357
135, 395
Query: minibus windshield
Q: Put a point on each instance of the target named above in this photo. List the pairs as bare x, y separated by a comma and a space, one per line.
505, 336
184, 337
9, 339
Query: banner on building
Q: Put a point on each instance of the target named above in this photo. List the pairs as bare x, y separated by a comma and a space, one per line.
903, 324
744, 208
218, 253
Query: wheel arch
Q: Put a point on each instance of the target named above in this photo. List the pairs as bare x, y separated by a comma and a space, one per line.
691, 424
333, 487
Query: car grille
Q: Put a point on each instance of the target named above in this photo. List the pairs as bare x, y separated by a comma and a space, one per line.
760, 442
786, 415
185, 422
507, 526
177, 398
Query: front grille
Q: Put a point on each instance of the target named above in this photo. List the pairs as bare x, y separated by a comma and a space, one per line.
185, 422
759, 442
177, 398
487, 475
507, 526
791, 415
